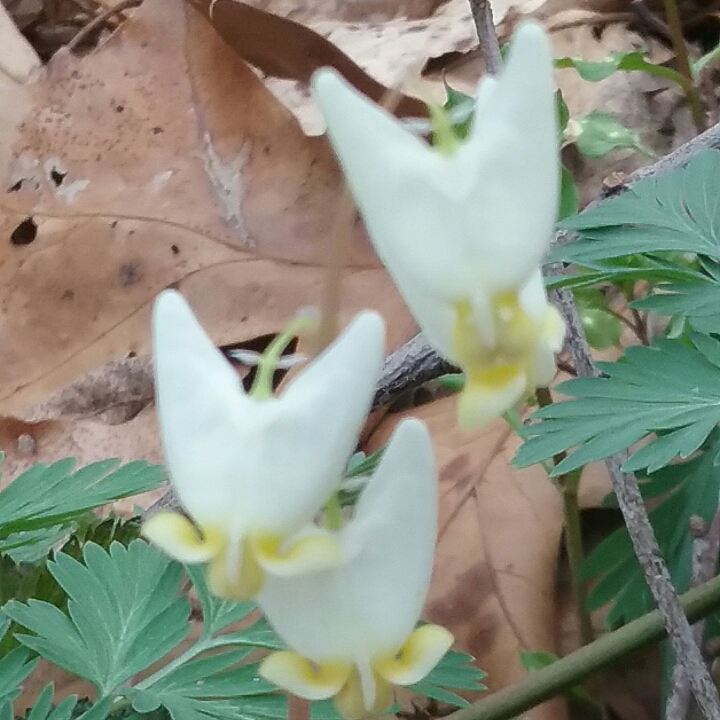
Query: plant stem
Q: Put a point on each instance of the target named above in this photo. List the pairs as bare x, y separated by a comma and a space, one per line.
570, 670
576, 554
485, 27
568, 484
681, 53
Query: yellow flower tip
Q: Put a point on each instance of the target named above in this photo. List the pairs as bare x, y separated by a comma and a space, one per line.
311, 552
302, 677
178, 537
420, 653
238, 579
553, 329
488, 393
349, 700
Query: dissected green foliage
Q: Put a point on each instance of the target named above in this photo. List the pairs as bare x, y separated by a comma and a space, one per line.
679, 491
47, 496
671, 389
125, 612
665, 397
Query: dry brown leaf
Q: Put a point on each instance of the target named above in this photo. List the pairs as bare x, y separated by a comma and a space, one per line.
498, 538
162, 159
286, 49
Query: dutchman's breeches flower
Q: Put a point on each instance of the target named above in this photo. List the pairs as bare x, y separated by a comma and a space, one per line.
252, 470
463, 228
351, 629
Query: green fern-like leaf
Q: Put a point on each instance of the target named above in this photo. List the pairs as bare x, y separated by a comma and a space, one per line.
678, 211
685, 489
124, 613
671, 389
50, 495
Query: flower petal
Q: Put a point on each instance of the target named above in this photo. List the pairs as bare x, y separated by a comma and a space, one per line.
553, 329
311, 551
235, 573
369, 605
297, 675
198, 398
532, 297
433, 313
176, 536
484, 213
313, 615
301, 441
488, 395
550, 341
513, 144
398, 510
399, 184
421, 652
351, 704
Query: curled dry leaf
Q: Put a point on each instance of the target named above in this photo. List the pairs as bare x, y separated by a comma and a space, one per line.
498, 537
286, 49
161, 159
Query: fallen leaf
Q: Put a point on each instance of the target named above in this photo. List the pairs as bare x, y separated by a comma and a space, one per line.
161, 159
286, 49
498, 538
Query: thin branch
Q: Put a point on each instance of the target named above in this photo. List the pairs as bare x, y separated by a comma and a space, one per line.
569, 671
706, 547
100, 20
572, 529
681, 55
485, 26
647, 551
644, 542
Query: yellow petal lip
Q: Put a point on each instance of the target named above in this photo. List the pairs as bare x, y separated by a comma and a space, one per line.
349, 701
488, 395
178, 537
312, 551
238, 579
420, 653
298, 675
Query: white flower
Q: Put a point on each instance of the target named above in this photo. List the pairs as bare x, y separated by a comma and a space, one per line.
463, 232
252, 472
351, 628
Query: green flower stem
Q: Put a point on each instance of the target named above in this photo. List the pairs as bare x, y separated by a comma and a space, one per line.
567, 672
333, 514
568, 484
267, 365
706, 60
575, 551
672, 16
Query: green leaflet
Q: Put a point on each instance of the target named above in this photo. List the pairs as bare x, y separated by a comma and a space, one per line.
670, 388
689, 488
597, 133
43, 709
455, 671
678, 211
45, 496
124, 613
695, 299
596, 70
